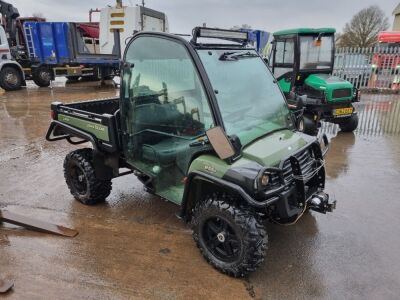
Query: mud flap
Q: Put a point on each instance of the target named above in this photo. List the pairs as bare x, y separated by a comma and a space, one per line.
5, 286
15, 219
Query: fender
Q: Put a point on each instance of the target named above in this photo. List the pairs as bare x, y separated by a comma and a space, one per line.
197, 175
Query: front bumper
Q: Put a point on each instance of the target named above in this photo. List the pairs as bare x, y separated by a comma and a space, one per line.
302, 180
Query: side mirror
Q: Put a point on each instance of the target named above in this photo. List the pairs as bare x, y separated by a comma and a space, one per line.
220, 142
266, 60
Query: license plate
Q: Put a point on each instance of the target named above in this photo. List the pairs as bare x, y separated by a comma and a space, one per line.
343, 111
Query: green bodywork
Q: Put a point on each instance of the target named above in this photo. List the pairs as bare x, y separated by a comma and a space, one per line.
304, 31
98, 130
267, 151
285, 85
328, 83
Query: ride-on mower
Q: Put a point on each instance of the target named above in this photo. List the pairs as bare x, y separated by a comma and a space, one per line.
204, 125
302, 61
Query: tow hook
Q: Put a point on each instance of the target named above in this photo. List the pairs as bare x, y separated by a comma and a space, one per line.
320, 202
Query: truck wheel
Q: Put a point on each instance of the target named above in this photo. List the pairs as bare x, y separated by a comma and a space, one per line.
42, 77
229, 236
349, 124
81, 179
10, 79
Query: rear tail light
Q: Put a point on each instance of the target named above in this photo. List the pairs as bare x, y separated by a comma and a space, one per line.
53, 114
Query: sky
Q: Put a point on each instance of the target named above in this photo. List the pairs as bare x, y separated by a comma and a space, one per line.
183, 15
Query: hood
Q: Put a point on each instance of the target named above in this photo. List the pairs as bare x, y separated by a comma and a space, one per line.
329, 84
271, 149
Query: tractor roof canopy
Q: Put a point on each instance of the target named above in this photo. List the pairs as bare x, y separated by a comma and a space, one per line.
299, 31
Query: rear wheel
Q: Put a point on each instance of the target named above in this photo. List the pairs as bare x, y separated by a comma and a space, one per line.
42, 77
81, 179
230, 237
10, 78
349, 124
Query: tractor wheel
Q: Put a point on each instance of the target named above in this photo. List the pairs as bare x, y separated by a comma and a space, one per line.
10, 79
81, 179
310, 127
229, 236
349, 124
41, 77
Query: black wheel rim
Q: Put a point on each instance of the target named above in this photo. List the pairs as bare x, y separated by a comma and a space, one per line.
221, 240
78, 179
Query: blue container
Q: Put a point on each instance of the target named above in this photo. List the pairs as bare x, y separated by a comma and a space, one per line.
258, 38
49, 42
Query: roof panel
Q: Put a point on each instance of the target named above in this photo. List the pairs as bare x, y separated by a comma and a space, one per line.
305, 31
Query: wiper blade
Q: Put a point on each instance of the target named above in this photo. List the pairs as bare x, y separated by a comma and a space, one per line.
236, 55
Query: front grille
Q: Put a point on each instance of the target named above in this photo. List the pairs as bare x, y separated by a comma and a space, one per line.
341, 93
306, 161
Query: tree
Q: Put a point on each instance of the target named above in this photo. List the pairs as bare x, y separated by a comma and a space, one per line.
363, 28
38, 15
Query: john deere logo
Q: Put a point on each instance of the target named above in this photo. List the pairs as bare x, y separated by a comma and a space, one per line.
210, 169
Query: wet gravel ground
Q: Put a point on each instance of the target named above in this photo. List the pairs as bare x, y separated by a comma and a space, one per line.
133, 246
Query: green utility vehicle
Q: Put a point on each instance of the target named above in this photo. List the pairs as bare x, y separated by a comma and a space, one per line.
196, 131
302, 61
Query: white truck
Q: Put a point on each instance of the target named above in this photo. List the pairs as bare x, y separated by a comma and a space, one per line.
128, 20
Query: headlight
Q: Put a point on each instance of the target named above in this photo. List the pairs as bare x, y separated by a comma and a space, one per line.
264, 180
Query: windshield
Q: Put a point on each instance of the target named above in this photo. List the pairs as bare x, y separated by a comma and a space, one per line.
316, 54
249, 99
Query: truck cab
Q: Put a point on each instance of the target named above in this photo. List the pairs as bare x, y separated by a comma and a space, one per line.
302, 61
11, 73
197, 131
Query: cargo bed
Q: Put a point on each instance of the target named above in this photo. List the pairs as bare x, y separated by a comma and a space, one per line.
94, 121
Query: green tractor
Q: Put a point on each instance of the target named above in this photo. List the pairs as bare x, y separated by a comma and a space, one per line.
302, 62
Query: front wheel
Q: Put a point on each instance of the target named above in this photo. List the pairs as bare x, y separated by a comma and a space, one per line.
349, 124
10, 79
230, 237
81, 178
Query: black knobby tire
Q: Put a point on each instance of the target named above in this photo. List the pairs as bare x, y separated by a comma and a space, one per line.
244, 232
41, 77
10, 79
349, 124
81, 179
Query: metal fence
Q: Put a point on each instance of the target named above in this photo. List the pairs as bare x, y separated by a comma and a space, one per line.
373, 68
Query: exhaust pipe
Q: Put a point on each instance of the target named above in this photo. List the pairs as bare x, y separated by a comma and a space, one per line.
321, 203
